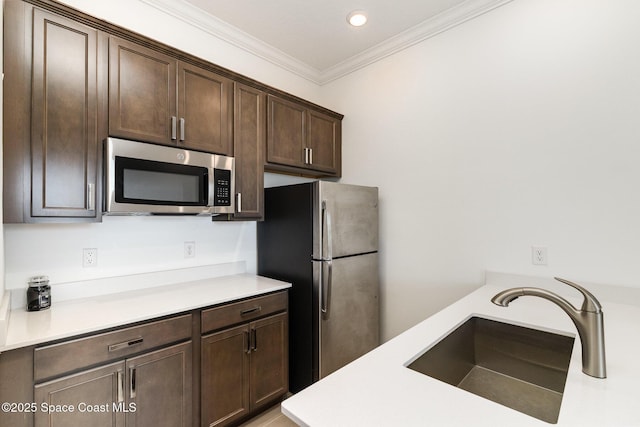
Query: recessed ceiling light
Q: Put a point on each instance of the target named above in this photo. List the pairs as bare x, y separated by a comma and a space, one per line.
357, 18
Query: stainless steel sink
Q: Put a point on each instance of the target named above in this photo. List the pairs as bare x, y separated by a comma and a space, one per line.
521, 368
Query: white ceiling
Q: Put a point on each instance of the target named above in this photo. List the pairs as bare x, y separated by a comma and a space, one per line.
312, 37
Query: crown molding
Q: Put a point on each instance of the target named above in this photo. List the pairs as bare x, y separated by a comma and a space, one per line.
220, 29
431, 27
442, 22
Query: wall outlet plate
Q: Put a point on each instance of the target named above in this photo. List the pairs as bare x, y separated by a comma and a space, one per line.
539, 255
89, 257
189, 249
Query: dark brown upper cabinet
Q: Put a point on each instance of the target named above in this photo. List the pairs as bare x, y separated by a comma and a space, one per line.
249, 139
71, 80
302, 140
155, 98
324, 140
249, 133
54, 88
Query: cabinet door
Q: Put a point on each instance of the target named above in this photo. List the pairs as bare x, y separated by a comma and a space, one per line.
64, 142
91, 394
204, 110
159, 385
269, 359
225, 376
142, 93
249, 139
286, 132
324, 140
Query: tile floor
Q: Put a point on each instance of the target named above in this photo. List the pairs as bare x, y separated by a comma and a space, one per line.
270, 418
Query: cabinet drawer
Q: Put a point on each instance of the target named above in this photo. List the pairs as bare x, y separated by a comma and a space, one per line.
243, 311
56, 359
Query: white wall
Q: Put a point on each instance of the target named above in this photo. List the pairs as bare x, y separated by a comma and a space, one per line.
126, 245
518, 128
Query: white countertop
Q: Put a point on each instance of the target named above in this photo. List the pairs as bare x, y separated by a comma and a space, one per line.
378, 390
74, 317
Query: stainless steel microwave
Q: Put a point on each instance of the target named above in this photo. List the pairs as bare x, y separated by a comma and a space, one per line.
146, 179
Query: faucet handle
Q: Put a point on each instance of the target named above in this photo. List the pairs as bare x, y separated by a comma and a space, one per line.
590, 302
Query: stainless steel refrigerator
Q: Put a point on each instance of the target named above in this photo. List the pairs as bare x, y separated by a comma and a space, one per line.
323, 238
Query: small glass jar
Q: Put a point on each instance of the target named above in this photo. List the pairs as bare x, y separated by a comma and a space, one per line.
38, 293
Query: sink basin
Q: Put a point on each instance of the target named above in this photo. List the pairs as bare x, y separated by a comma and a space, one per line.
521, 368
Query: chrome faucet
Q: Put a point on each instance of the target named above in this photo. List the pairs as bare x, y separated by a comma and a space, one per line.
588, 321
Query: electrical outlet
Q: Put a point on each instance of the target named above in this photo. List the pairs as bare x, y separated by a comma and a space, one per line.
189, 249
539, 255
89, 257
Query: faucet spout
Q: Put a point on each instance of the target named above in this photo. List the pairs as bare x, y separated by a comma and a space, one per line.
588, 321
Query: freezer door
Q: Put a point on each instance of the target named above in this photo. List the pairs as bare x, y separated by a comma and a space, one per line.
349, 310
345, 220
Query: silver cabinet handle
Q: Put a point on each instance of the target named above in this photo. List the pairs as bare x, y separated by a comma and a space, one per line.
132, 383
239, 208
250, 310
126, 344
174, 125
247, 339
308, 156
120, 379
254, 339
91, 196
182, 128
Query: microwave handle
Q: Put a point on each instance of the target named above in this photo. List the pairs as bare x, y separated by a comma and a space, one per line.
239, 203
212, 187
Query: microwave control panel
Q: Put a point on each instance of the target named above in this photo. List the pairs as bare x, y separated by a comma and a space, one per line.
222, 187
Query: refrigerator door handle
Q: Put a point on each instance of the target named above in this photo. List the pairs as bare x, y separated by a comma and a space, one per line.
326, 230
327, 258
325, 294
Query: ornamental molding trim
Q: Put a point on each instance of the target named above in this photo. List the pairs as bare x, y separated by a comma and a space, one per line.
440, 23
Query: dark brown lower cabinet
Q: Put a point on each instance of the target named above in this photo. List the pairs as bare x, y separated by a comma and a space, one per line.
159, 386
59, 401
155, 374
153, 389
244, 368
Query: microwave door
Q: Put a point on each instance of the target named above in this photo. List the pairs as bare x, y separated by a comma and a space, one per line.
158, 187
146, 179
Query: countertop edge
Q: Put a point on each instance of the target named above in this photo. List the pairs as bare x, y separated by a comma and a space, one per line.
64, 320
377, 389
